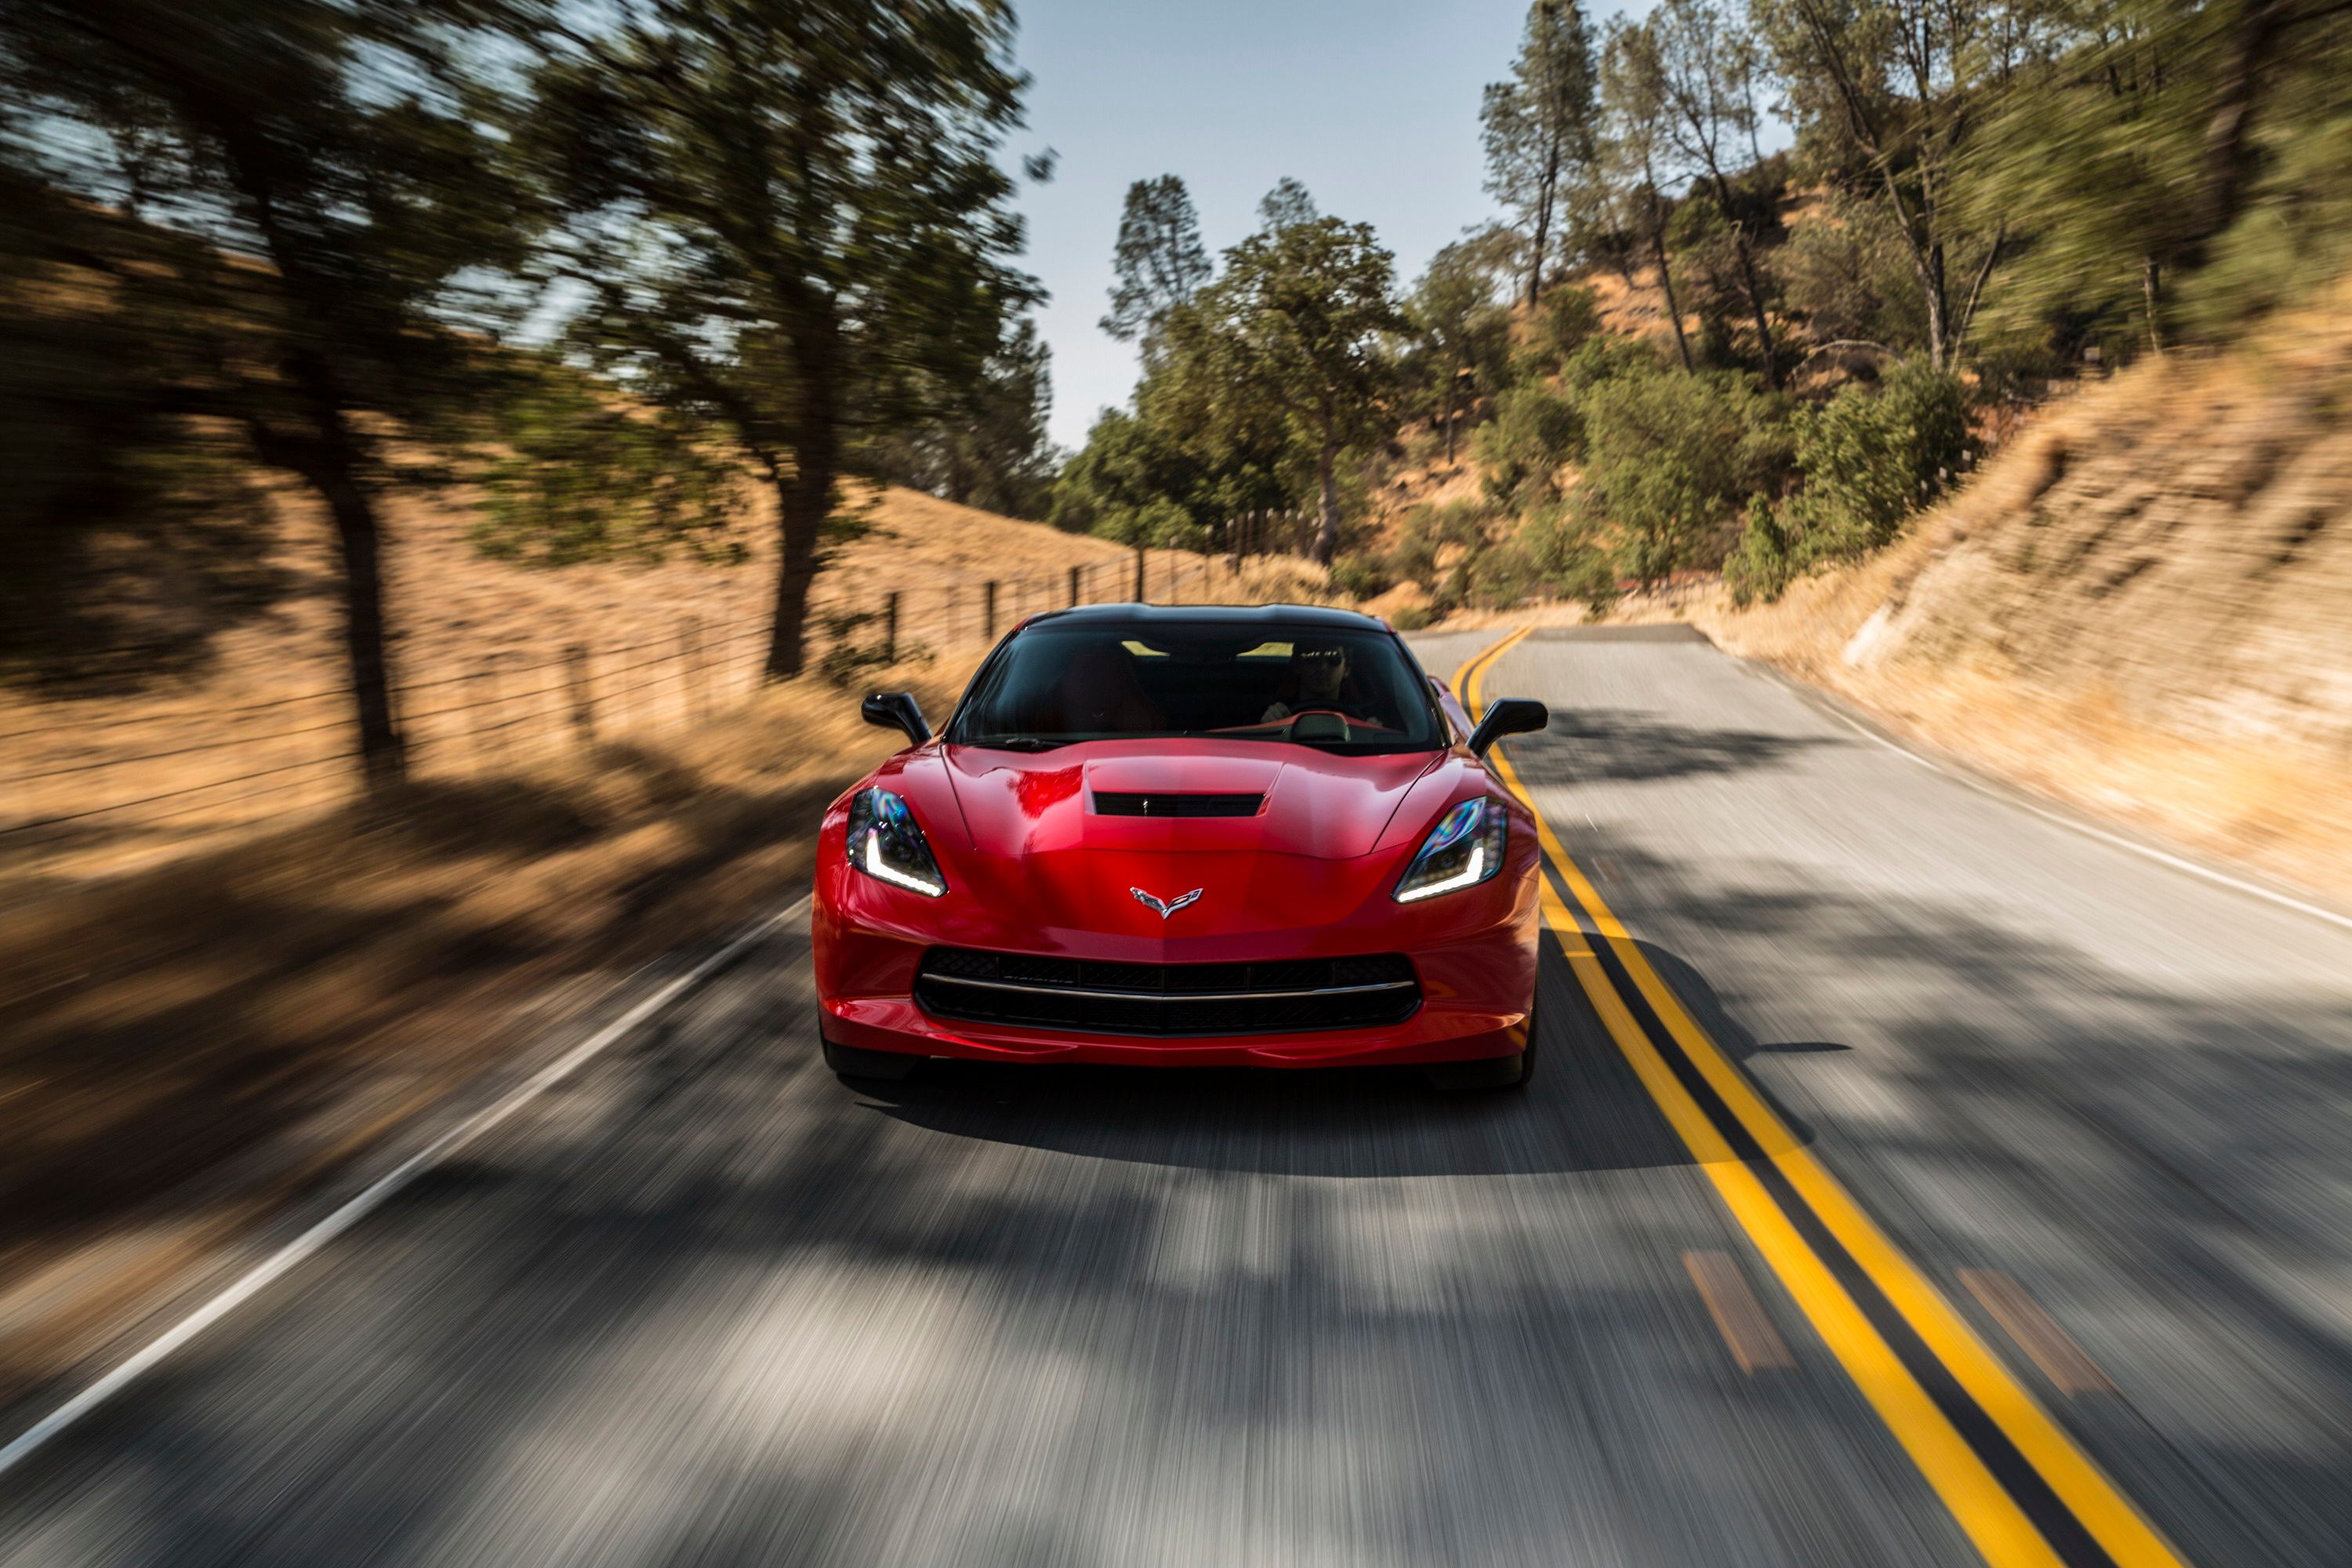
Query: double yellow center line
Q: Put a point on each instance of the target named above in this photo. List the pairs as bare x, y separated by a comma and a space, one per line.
2024, 1491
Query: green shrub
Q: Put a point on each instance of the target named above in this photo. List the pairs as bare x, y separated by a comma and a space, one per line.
1871, 457
1568, 316
1535, 430
847, 660
1763, 563
1570, 564
1607, 358
1361, 576
580, 477
1671, 456
1502, 575
1414, 619
1160, 523
1425, 531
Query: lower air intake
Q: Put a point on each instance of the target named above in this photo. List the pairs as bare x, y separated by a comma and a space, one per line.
1285, 996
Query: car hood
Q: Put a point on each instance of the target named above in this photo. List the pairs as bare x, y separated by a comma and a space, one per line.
1315, 804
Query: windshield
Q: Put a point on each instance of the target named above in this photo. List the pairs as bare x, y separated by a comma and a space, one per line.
1339, 689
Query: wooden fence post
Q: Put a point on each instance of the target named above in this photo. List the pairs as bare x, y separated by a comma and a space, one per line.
988, 612
583, 695
890, 628
690, 650
1138, 574
1074, 587
490, 739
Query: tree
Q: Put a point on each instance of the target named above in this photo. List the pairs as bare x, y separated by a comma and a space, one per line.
1463, 332
1706, 76
2125, 157
324, 162
1159, 258
1632, 86
1888, 95
1289, 333
1671, 458
1285, 205
988, 447
1540, 129
788, 220
579, 475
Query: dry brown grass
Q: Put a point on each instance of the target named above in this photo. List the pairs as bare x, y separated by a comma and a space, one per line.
186, 1050
261, 734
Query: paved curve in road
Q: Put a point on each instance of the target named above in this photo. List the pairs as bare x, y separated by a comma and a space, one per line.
702, 1303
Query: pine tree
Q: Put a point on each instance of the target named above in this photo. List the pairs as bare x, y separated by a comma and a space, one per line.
1159, 258
1541, 130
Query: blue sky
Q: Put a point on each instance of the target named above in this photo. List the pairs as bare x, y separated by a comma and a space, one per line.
1373, 104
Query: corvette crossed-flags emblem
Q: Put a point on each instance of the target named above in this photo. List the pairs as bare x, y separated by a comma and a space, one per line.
1165, 906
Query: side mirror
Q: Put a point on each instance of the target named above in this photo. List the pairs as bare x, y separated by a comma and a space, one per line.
897, 711
1509, 716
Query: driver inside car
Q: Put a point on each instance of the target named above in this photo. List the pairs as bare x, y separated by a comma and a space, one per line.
1317, 679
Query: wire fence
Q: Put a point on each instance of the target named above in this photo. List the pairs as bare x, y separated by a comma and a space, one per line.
83, 795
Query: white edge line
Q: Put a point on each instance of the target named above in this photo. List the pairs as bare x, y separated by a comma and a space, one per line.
2015, 795
372, 1197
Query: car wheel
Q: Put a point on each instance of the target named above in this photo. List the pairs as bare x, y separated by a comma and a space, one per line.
848, 1062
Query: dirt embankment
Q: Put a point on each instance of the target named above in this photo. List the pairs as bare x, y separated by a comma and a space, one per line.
2143, 607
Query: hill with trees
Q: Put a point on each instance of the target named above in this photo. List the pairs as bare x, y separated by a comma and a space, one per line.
1766, 278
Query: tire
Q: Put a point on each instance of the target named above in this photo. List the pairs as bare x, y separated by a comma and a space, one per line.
848, 1062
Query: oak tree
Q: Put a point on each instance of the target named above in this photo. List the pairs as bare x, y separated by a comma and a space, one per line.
787, 219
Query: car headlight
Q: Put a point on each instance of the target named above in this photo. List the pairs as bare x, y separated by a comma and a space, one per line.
885, 844
1463, 850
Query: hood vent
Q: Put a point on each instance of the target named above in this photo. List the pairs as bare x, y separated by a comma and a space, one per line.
1111, 803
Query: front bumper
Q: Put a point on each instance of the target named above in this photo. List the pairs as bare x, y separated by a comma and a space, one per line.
1476, 962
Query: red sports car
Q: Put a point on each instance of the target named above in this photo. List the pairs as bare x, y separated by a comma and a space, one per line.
1185, 837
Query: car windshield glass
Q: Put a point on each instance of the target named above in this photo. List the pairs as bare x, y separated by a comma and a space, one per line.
1337, 688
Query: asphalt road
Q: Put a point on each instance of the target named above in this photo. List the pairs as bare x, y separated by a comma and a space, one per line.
702, 1303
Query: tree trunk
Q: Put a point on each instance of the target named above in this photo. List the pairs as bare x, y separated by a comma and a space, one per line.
1747, 279
1543, 226
383, 751
1939, 349
1327, 528
2227, 155
804, 502
1451, 381
329, 455
2151, 295
1666, 285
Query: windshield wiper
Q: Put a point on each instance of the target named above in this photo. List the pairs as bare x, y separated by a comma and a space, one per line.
1017, 742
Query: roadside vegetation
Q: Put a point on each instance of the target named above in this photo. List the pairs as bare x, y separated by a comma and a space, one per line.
1763, 278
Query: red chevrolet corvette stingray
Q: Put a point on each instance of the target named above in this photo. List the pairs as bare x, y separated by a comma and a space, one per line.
1184, 838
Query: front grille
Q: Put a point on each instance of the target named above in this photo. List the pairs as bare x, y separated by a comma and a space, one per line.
1116, 803
1282, 996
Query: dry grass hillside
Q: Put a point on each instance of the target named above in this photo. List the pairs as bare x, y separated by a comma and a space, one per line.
101, 784
2144, 605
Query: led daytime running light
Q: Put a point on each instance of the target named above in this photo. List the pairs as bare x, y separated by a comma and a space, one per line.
1463, 850
1469, 876
886, 844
